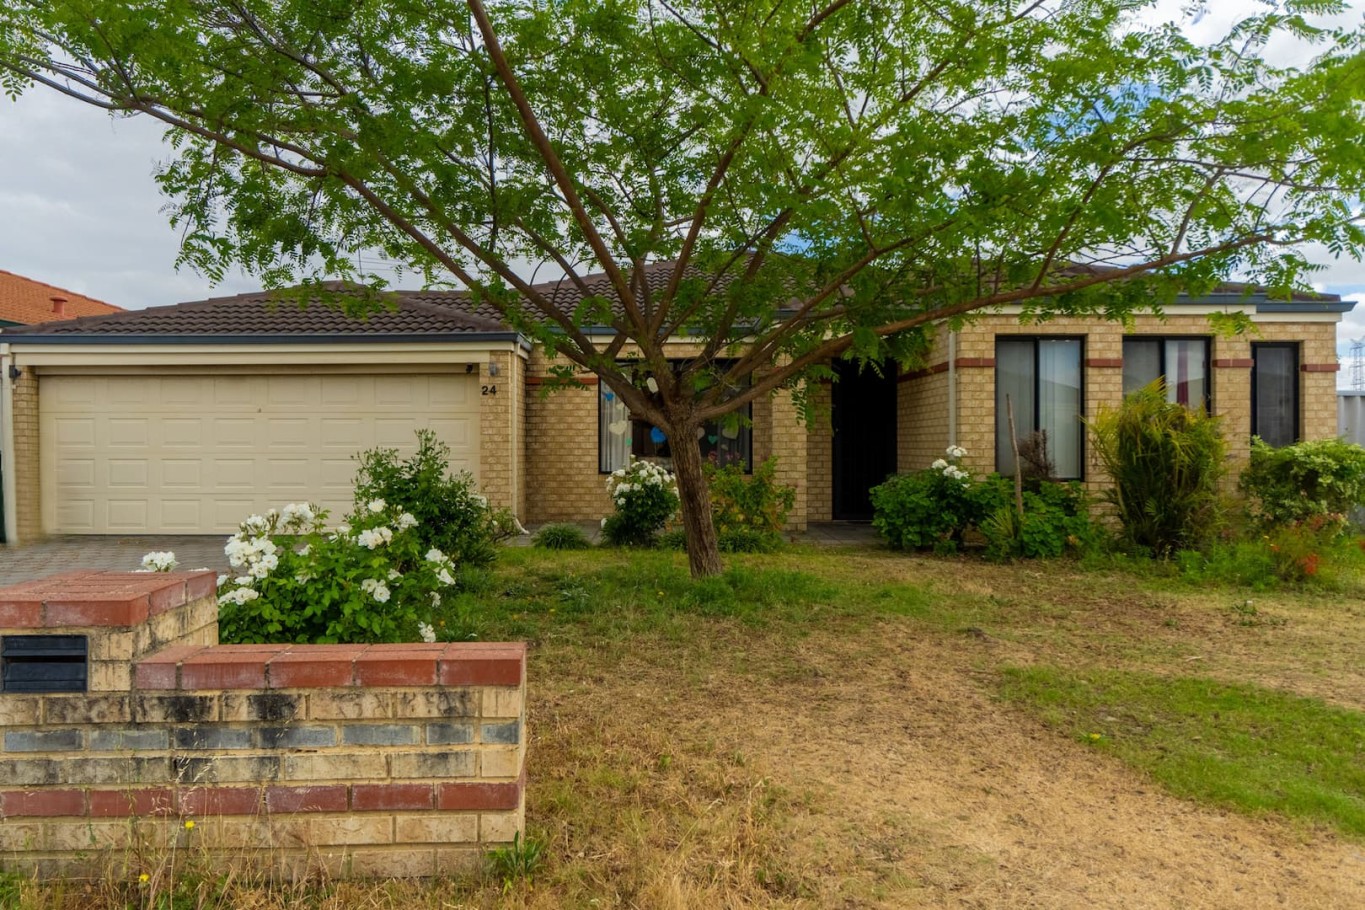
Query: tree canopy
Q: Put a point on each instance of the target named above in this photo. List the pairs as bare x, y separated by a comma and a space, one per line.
816, 178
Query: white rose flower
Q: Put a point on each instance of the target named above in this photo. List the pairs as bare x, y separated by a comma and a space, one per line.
406, 520
426, 631
939, 465
222, 580
376, 505
957, 452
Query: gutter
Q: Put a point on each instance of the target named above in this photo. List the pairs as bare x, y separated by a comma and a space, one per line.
472, 338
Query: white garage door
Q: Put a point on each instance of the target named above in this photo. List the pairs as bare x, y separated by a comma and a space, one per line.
197, 454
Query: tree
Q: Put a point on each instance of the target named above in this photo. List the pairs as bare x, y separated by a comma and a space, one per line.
827, 178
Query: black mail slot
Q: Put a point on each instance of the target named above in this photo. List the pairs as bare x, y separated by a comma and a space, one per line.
43, 663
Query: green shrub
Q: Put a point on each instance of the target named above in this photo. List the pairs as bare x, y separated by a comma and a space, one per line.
749, 511
562, 536
1056, 520
931, 509
1165, 462
452, 515
672, 539
646, 497
1324, 477
371, 580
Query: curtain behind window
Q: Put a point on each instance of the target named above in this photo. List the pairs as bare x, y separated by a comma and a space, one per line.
613, 431
1059, 402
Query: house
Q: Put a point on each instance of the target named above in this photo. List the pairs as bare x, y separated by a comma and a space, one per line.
184, 419
24, 301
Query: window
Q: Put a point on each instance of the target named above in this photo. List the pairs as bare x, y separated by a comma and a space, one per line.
1042, 379
620, 435
1275, 392
1183, 362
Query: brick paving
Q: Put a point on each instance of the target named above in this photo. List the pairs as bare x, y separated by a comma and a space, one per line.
62, 554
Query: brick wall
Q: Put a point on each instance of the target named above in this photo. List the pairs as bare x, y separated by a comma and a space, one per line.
501, 417
28, 502
1103, 376
820, 458
563, 479
390, 760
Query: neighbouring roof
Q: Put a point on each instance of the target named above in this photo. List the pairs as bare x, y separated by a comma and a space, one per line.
26, 301
267, 316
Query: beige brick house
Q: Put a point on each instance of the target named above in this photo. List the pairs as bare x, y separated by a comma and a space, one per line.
185, 419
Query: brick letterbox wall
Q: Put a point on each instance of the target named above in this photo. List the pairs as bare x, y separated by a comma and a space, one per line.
384, 760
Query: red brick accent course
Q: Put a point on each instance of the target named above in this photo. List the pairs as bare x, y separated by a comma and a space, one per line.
328, 798
125, 803
42, 803
1242, 363
381, 797
89, 598
1104, 362
1321, 367
478, 797
206, 801
188, 668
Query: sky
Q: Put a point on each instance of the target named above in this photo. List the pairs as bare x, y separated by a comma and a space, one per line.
79, 207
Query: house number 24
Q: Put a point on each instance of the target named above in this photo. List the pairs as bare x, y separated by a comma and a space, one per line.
489, 389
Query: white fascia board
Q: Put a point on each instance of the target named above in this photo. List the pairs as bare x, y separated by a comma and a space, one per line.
101, 356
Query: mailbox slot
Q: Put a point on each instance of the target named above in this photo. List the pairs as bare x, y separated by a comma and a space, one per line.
44, 663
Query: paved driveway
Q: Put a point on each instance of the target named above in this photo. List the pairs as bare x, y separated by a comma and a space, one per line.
62, 554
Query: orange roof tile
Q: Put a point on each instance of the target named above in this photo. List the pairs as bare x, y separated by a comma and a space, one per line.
29, 302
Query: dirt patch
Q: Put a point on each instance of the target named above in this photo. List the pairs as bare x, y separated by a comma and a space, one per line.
905, 783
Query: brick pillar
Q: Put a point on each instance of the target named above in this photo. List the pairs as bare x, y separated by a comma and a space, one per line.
788, 444
500, 425
26, 467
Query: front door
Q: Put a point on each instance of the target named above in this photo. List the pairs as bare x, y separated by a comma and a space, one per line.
863, 414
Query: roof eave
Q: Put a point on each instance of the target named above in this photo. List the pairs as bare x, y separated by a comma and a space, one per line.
273, 338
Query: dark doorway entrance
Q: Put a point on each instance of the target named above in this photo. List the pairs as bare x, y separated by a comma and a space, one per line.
863, 415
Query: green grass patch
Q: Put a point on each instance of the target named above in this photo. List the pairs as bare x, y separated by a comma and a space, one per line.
615, 595
1235, 745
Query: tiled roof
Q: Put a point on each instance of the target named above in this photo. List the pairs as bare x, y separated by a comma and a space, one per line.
265, 314
407, 313
26, 301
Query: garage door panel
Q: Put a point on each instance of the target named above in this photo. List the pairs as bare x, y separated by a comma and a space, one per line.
76, 473
74, 431
126, 472
181, 474
141, 454
126, 514
290, 432
75, 512
234, 432
182, 514
182, 431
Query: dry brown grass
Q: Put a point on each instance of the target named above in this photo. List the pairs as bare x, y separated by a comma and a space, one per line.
867, 762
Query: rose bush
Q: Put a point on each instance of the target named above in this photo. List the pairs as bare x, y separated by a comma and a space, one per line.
646, 497
367, 580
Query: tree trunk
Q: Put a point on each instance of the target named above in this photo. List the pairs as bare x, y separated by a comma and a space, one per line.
703, 553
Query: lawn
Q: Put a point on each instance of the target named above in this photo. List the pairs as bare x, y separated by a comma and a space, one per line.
856, 728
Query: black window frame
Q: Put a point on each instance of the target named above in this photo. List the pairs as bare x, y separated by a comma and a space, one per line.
1295, 399
641, 423
1161, 349
1084, 449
